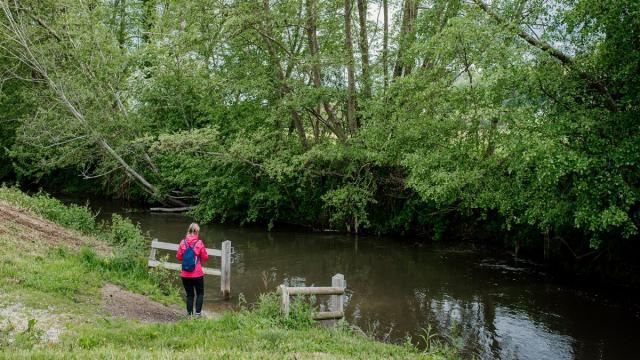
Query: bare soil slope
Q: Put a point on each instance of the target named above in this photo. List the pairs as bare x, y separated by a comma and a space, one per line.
32, 229
34, 234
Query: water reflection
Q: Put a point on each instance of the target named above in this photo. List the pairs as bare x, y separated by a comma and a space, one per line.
495, 308
524, 339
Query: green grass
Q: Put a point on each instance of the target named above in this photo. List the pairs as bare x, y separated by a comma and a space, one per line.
60, 287
244, 334
73, 217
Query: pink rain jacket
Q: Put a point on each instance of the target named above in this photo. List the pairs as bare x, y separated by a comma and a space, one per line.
201, 253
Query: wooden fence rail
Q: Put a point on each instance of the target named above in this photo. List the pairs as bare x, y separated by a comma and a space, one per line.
336, 304
225, 263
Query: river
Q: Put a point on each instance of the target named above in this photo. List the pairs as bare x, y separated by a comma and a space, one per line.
497, 307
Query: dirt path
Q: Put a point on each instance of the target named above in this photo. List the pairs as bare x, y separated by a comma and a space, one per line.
120, 302
30, 228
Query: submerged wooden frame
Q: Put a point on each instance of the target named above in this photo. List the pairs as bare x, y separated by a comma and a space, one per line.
336, 290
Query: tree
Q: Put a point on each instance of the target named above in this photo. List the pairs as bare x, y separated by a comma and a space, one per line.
351, 81
47, 69
514, 115
364, 48
385, 45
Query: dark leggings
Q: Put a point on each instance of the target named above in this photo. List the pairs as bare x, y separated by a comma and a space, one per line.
189, 285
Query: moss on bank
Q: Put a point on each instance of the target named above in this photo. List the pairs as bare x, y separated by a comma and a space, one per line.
50, 303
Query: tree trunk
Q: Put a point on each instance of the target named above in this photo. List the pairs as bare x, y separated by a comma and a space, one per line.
397, 68
546, 245
130, 171
364, 48
348, 44
413, 14
316, 125
385, 45
122, 30
297, 123
316, 77
491, 147
409, 12
279, 74
147, 19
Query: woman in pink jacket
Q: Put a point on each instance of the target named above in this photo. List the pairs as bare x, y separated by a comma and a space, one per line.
193, 279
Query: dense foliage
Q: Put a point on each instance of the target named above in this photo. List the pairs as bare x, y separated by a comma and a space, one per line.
518, 117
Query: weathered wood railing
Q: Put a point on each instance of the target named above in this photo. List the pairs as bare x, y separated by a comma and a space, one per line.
336, 290
225, 263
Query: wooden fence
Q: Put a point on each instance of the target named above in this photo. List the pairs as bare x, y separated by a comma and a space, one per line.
225, 263
336, 290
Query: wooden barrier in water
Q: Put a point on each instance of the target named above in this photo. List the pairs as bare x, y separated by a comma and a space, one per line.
336, 304
225, 263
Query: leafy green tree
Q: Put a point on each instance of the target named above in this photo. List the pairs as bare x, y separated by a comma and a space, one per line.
516, 115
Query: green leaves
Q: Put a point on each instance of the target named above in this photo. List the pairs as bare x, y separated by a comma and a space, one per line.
348, 205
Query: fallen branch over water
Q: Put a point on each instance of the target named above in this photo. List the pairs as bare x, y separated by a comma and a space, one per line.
177, 209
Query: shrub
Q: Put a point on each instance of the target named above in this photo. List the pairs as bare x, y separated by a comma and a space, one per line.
127, 235
267, 310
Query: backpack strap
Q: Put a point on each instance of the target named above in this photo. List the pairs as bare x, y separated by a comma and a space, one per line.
194, 250
186, 244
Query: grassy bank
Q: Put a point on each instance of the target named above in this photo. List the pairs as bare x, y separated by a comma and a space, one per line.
50, 303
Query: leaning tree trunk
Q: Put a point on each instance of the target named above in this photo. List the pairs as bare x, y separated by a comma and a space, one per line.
25, 53
129, 170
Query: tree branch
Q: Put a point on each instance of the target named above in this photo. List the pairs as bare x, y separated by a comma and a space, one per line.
559, 55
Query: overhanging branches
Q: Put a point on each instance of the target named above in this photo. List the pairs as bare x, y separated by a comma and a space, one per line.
565, 59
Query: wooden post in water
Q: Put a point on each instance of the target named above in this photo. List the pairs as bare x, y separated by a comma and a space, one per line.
225, 270
337, 301
337, 291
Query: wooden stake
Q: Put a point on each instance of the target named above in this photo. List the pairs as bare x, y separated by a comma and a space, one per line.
225, 270
337, 301
152, 254
284, 306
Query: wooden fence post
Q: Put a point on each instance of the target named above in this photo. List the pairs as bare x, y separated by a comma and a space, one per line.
284, 306
225, 270
152, 254
337, 301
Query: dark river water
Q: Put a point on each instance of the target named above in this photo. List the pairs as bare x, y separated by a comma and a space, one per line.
497, 307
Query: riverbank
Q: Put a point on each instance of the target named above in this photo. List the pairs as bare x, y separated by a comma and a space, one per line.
53, 280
